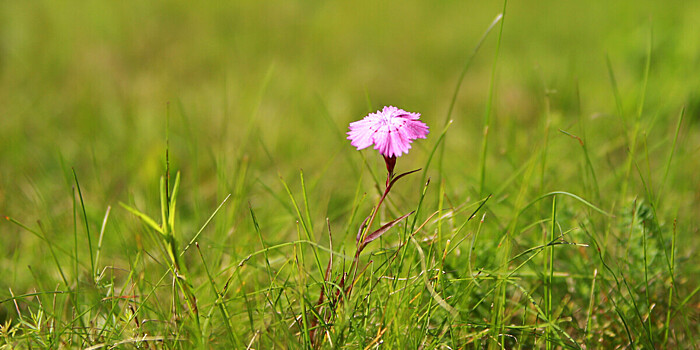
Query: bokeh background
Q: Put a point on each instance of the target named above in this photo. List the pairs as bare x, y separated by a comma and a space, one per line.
88, 84
254, 90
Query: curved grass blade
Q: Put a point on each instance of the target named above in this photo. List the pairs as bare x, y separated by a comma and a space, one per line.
588, 204
87, 227
468, 63
145, 218
432, 152
429, 286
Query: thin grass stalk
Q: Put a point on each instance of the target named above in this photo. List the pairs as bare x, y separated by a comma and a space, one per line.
75, 296
304, 226
239, 185
550, 274
489, 105
172, 250
404, 239
99, 241
87, 226
458, 86
305, 328
671, 152
471, 250
646, 284
307, 209
498, 313
435, 246
637, 123
49, 244
591, 302
206, 223
220, 303
545, 137
75, 244
606, 267
358, 198
616, 92
637, 312
667, 323
243, 295
584, 143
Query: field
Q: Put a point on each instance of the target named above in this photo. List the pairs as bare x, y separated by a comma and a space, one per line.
178, 175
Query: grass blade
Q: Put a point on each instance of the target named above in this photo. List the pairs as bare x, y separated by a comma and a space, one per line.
87, 226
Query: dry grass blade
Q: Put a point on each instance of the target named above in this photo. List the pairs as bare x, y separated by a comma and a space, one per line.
382, 230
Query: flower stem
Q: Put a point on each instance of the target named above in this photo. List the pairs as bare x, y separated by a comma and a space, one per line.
355, 261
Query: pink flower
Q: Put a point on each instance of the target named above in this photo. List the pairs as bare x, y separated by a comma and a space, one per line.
391, 130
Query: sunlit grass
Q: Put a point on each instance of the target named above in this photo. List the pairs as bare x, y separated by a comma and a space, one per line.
555, 206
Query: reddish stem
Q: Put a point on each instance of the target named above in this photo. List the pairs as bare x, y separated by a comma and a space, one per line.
390, 162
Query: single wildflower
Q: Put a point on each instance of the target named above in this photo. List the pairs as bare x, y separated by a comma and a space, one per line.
390, 130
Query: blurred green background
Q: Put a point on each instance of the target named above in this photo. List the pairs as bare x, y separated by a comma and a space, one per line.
257, 88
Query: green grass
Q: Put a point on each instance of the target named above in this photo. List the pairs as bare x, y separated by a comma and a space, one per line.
178, 176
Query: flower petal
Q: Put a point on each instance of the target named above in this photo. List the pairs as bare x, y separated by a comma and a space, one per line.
391, 130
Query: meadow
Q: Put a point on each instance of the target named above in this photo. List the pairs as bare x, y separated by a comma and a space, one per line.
178, 175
